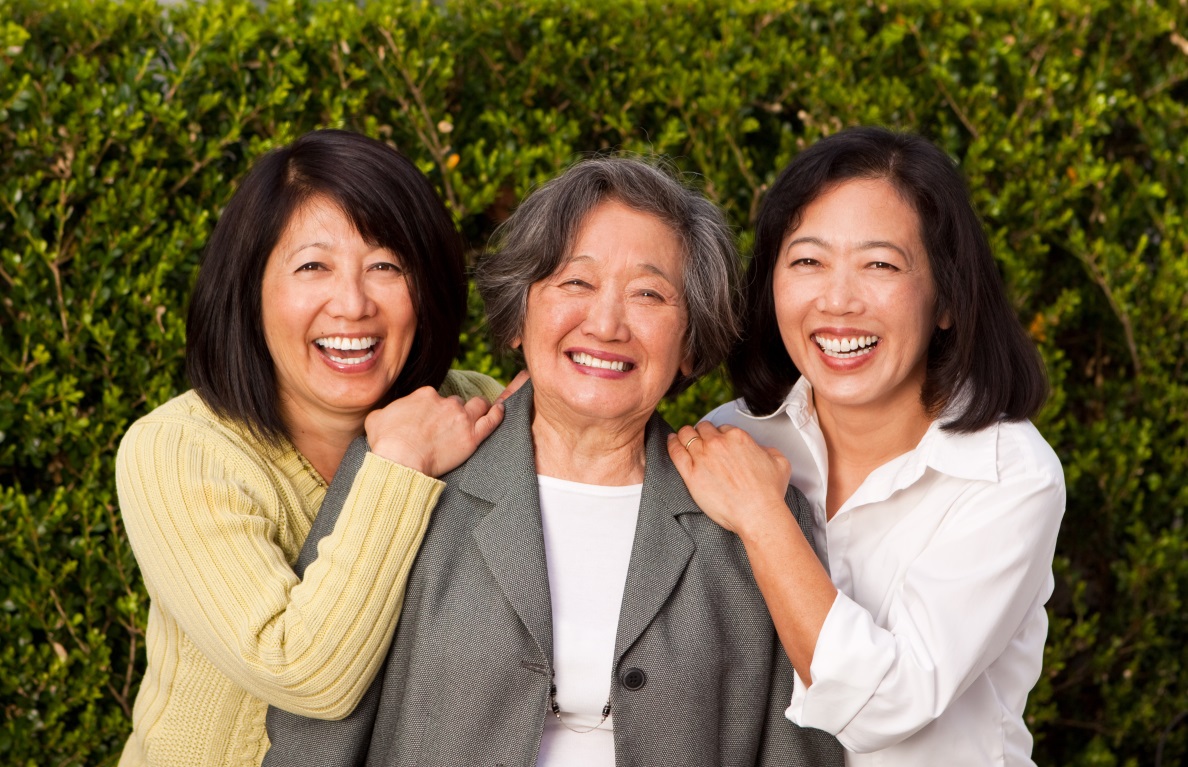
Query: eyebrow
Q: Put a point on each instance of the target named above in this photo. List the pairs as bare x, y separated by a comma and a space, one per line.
305, 246
867, 245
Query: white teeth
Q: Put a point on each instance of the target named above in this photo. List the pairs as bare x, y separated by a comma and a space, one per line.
855, 346
351, 360
346, 344
589, 361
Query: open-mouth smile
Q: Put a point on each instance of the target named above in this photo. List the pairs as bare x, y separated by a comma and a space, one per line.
347, 351
846, 348
590, 361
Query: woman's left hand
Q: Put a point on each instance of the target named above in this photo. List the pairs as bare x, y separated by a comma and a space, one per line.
734, 480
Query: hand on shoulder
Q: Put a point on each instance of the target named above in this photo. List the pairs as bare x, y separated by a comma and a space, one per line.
431, 433
733, 479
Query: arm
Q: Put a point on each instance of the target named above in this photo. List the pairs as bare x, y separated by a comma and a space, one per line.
742, 487
873, 685
960, 604
203, 516
295, 739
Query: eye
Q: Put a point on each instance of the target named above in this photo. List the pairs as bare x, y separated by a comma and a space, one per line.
311, 266
883, 266
387, 266
804, 262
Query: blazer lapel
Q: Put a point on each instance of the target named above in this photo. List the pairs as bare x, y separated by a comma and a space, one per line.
510, 537
662, 548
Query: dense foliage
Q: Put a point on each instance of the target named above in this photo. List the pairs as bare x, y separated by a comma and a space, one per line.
124, 126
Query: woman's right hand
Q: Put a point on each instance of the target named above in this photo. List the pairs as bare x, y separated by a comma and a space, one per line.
431, 433
735, 481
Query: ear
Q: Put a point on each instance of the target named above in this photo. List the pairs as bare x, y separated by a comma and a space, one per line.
945, 321
516, 342
687, 366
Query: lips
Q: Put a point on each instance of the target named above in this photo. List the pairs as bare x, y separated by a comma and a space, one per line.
846, 347
590, 361
347, 351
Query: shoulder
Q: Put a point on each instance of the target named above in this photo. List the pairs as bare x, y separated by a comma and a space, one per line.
734, 413
189, 409
185, 429
1023, 451
467, 384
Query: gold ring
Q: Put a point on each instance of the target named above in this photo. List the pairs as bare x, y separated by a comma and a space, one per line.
691, 440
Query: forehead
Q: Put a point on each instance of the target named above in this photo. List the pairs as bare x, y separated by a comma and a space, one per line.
318, 213
615, 235
861, 206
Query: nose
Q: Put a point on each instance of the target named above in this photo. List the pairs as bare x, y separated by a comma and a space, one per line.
351, 299
839, 293
606, 317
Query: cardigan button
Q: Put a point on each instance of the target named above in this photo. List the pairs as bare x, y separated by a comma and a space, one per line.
634, 679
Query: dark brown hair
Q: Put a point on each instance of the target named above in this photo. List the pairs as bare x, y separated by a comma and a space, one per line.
390, 203
984, 363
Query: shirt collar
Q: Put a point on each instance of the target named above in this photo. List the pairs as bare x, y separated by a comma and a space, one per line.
964, 456
798, 405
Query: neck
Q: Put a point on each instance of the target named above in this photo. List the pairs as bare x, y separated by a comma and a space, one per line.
858, 440
610, 453
325, 443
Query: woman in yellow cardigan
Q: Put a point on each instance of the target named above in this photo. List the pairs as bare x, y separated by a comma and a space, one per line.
327, 306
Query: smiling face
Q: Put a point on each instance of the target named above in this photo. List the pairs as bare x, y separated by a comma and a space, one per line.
604, 335
855, 299
338, 319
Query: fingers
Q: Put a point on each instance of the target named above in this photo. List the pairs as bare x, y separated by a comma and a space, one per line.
684, 446
514, 386
475, 408
704, 433
680, 457
688, 436
485, 424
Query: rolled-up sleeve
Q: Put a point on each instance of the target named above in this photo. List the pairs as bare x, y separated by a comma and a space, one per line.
984, 575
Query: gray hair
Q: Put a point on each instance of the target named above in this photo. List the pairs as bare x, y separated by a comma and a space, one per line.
538, 238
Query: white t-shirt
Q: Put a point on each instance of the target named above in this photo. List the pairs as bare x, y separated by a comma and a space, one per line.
943, 562
588, 534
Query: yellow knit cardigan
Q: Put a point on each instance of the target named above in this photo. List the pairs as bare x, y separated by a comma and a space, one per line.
215, 519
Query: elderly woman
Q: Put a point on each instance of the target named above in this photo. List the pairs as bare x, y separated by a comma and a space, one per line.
885, 363
332, 285
571, 605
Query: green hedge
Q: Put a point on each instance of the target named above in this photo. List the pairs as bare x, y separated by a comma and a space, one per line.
124, 127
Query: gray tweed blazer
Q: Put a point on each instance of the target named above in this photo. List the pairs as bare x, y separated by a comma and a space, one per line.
699, 674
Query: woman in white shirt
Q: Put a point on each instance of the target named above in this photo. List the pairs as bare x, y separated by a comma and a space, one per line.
885, 374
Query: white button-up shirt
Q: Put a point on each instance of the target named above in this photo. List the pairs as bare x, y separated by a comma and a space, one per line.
943, 562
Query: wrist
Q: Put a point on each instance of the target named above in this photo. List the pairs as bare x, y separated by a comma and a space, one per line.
400, 454
770, 519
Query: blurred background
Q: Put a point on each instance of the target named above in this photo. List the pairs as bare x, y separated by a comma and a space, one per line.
125, 127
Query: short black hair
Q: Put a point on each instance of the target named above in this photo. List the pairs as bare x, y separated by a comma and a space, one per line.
390, 203
539, 237
984, 363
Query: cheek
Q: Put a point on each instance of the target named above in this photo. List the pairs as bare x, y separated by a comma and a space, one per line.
789, 300
279, 317
404, 317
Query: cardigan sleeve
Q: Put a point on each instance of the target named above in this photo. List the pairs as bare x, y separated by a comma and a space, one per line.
203, 514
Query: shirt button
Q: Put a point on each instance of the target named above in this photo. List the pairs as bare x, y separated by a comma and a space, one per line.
634, 679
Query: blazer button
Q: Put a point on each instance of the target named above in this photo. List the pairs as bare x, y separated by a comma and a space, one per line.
634, 679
